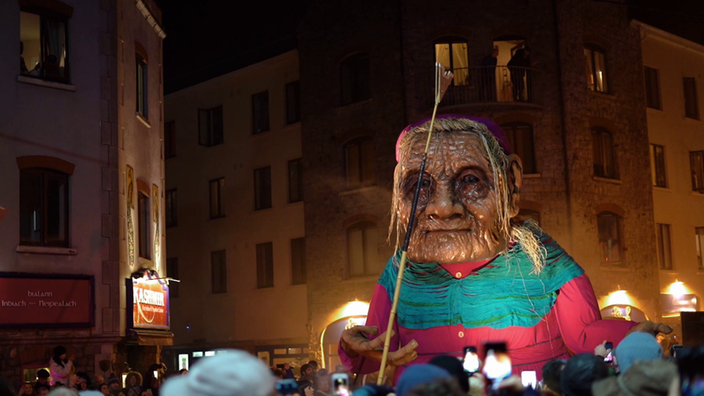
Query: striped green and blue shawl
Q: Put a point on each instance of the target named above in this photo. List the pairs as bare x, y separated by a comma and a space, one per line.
500, 294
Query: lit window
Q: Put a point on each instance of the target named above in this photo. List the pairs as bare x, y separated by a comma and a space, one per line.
169, 139
691, 104
362, 247
43, 49
260, 112
217, 205
699, 233
295, 182
596, 70
452, 53
657, 165
664, 247
652, 88
43, 207
520, 137
145, 229
604, 154
198, 354
293, 102
609, 225
696, 160
172, 272
355, 79
359, 163
210, 127
262, 188
265, 265
218, 268
171, 201
142, 85
298, 261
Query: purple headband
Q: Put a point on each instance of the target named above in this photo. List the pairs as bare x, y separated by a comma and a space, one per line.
494, 128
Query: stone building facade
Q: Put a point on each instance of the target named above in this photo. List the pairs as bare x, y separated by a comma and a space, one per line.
75, 110
590, 186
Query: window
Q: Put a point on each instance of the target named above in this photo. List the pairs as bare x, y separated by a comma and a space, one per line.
210, 127
664, 247
359, 163
262, 188
142, 96
699, 234
217, 205
43, 44
520, 136
691, 105
43, 207
362, 249
170, 139
530, 214
452, 53
260, 112
172, 272
596, 69
657, 165
293, 102
218, 271
609, 225
171, 201
298, 261
696, 159
604, 154
355, 79
295, 183
652, 88
265, 265
145, 229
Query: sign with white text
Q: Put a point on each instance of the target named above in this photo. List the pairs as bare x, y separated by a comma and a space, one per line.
38, 300
150, 303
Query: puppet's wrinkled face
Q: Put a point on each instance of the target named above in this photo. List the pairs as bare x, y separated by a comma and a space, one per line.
457, 210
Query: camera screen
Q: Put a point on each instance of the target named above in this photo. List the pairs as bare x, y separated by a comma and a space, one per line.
497, 364
470, 361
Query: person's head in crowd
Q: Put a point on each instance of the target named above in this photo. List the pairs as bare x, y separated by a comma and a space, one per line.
323, 372
60, 354
690, 363
417, 375
287, 366
636, 346
133, 379
551, 376
580, 372
278, 373
437, 387
114, 383
104, 389
146, 392
183, 372
63, 391
373, 390
42, 390
643, 378
306, 370
321, 385
26, 389
453, 366
233, 373
314, 364
82, 380
340, 368
43, 377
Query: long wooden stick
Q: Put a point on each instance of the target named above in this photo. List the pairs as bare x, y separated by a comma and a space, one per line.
442, 81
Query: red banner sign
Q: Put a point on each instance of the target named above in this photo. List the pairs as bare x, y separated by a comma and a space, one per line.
34, 300
150, 303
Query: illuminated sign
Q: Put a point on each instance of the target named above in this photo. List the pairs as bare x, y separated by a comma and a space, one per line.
623, 311
673, 304
150, 302
38, 300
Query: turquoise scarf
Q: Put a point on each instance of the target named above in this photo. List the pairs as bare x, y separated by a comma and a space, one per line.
499, 294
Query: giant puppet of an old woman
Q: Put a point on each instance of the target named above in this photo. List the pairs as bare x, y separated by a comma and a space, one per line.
475, 271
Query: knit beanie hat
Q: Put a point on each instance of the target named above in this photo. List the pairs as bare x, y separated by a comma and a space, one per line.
233, 373
644, 378
636, 346
580, 372
417, 375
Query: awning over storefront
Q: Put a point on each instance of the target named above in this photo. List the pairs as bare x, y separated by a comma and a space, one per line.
150, 337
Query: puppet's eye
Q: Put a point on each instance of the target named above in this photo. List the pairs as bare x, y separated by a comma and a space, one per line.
470, 179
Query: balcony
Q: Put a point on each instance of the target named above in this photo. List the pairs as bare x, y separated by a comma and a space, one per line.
489, 85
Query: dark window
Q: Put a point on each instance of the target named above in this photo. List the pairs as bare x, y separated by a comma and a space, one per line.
217, 205
43, 207
142, 96
359, 163
298, 261
652, 88
354, 79
172, 272
520, 136
657, 165
452, 53
262, 188
609, 225
362, 247
260, 112
210, 127
295, 182
664, 247
596, 69
145, 229
265, 265
293, 102
699, 234
696, 159
604, 154
171, 202
218, 265
44, 45
691, 104
530, 214
170, 139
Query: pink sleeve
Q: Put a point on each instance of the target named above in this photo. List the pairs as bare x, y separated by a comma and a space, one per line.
580, 320
378, 315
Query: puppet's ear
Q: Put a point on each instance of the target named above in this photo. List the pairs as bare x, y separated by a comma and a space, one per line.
514, 173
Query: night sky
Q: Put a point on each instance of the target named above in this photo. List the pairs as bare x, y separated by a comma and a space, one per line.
208, 38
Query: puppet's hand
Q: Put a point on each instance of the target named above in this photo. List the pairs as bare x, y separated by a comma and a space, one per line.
652, 328
355, 343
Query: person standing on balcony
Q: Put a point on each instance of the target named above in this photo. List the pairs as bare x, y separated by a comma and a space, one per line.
518, 67
487, 76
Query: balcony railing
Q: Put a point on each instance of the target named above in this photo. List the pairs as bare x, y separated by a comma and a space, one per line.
490, 84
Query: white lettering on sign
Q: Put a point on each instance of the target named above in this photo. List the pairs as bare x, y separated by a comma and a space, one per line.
54, 304
39, 294
7, 303
143, 296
